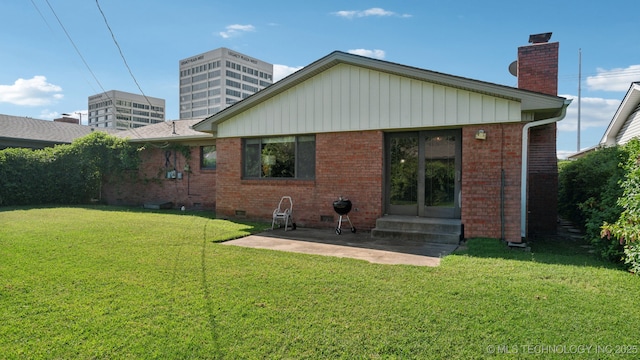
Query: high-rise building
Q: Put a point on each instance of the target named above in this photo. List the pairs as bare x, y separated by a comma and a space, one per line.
123, 110
212, 81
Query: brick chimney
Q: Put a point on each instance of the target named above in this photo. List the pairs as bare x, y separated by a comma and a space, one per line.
66, 119
538, 71
538, 65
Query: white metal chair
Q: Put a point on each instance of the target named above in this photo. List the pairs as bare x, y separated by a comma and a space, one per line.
283, 213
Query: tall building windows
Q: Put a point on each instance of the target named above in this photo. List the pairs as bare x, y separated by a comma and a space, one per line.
234, 93
233, 74
199, 86
225, 75
249, 88
198, 78
200, 95
234, 84
249, 79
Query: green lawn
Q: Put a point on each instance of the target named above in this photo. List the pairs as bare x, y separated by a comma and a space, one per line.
112, 283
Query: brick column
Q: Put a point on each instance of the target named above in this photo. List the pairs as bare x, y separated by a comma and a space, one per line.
538, 71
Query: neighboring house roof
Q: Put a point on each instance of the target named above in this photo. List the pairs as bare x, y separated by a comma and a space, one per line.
625, 124
583, 152
517, 100
18, 131
175, 130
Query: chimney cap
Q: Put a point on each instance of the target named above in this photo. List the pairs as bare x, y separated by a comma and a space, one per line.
540, 38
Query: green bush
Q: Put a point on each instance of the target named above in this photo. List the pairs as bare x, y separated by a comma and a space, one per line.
587, 178
632, 257
64, 174
626, 228
588, 193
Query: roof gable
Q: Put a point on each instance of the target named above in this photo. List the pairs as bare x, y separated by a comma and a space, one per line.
316, 72
622, 122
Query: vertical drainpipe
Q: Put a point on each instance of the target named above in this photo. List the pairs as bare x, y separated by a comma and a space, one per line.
525, 160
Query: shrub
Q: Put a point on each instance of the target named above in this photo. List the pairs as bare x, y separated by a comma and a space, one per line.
626, 229
588, 193
64, 174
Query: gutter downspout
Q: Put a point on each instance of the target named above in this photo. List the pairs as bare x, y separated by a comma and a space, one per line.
525, 161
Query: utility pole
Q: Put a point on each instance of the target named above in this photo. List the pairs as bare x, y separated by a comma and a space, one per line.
80, 114
579, 92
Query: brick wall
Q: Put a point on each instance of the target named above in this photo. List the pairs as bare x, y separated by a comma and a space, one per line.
538, 71
538, 68
482, 165
543, 181
348, 164
196, 189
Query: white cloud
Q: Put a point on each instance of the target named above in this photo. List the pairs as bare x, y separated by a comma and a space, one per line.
350, 14
564, 154
376, 53
47, 114
618, 79
377, 12
594, 113
236, 30
31, 92
282, 71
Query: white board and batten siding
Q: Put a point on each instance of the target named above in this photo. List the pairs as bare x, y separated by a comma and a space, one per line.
630, 129
352, 98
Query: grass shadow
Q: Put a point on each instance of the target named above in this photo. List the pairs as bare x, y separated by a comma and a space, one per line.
253, 227
209, 214
558, 250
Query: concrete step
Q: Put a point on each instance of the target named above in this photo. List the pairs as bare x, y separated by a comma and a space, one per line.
406, 229
414, 223
396, 237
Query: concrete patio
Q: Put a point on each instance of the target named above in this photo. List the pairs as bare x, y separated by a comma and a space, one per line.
357, 245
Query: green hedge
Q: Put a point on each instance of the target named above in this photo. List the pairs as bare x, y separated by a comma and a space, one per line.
626, 228
64, 174
588, 193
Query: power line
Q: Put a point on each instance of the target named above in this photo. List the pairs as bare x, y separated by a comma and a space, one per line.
75, 47
51, 30
121, 54
79, 54
42, 16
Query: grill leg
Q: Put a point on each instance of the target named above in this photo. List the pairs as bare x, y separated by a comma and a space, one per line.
353, 228
339, 230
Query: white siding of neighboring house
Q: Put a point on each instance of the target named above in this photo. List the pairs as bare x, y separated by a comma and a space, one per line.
349, 98
630, 129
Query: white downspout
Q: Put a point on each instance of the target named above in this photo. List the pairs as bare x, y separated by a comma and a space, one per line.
525, 161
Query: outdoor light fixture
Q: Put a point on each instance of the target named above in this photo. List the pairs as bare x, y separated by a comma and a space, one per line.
481, 135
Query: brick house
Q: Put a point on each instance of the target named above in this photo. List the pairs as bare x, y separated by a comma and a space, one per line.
397, 141
177, 168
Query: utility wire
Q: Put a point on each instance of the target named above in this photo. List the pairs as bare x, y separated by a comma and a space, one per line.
75, 47
42, 16
122, 55
51, 30
79, 54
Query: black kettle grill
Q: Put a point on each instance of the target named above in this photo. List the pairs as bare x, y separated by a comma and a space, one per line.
343, 206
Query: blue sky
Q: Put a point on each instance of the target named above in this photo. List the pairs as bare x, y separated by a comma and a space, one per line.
42, 75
